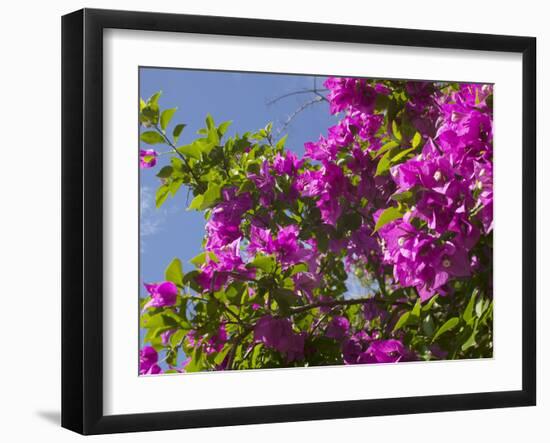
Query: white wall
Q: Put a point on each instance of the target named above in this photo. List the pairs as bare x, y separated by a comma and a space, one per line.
30, 218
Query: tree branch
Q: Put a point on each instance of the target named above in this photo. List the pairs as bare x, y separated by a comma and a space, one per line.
344, 302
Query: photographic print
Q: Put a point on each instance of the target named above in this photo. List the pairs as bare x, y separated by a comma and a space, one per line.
308, 220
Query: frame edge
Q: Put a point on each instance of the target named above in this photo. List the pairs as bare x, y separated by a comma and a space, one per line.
82, 193
72, 222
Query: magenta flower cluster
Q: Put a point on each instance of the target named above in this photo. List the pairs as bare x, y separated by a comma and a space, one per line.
452, 177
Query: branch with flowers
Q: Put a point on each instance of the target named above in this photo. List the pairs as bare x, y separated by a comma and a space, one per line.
397, 198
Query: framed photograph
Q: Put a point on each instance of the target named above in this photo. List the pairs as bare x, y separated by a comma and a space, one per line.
269, 221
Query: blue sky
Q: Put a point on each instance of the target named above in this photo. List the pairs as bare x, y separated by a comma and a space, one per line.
244, 98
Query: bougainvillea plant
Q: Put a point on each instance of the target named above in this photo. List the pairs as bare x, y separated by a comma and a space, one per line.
398, 194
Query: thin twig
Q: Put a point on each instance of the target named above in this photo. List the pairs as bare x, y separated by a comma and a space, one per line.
304, 91
302, 108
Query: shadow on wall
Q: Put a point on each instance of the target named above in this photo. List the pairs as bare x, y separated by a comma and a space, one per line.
54, 417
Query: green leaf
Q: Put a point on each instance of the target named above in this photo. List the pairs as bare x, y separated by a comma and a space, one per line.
192, 150
281, 143
210, 122
395, 130
212, 308
149, 114
416, 140
196, 363
403, 320
196, 203
222, 129
175, 185
471, 340
234, 291
165, 172
153, 100
300, 267
161, 195
447, 326
350, 222
211, 196
177, 131
159, 321
401, 154
178, 165
429, 305
322, 241
387, 147
402, 196
388, 215
428, 325
382, 102
415, 313
284, 298
264, 262
486, 314
384, 164
468, 313
480, 307
197, 148
142, 104
411, 317
166, 116
213, 137
174, 272
151, 138
177, 337
255, 355
222, 354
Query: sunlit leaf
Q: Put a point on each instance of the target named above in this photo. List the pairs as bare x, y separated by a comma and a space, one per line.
151, 138
161, 195
166, 116
174, 272
388, 215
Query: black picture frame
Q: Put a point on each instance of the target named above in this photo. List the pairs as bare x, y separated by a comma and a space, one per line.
82, 218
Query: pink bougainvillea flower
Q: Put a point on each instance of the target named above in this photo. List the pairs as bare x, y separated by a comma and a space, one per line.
147, 158
217, 341
277, 333
286, 163
386, 351
338, 328
148, 359
165, 336
354, 348
361, 349
286, 246
223, 227
226, 267
162, 294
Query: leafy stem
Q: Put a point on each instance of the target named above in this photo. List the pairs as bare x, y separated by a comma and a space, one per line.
183, 158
